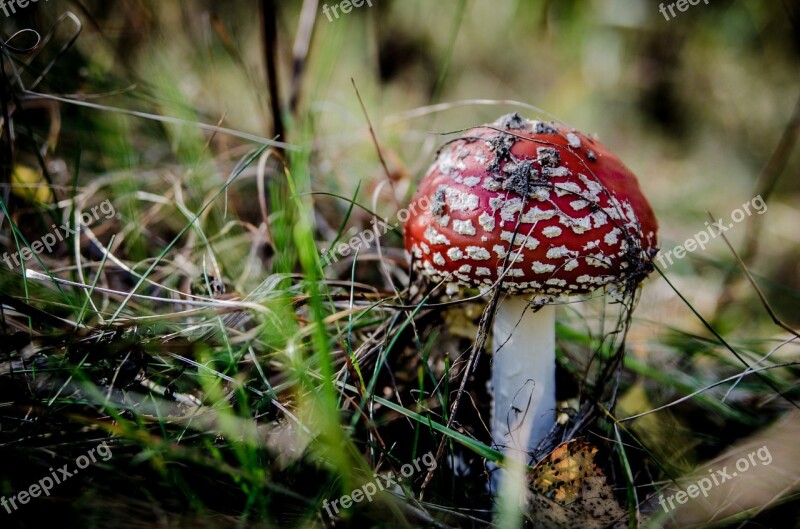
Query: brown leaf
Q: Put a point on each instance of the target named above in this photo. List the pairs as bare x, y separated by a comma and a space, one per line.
568, 490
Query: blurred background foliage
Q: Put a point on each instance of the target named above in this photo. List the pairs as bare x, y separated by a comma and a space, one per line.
694, 105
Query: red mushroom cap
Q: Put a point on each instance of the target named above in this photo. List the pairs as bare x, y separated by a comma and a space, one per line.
575, 213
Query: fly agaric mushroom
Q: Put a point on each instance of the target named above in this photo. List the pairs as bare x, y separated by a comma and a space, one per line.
546, 214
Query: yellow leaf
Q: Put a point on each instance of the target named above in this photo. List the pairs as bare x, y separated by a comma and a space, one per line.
29, 184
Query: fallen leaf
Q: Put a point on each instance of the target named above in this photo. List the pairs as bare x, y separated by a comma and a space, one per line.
29, 184
568, 490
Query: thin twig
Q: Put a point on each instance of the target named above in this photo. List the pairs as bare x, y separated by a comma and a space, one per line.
722, 340
765, 185
269, 27
477, 347
748, 371
377, 145
302, 43
740, 260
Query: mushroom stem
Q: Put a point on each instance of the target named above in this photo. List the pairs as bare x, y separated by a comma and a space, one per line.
523, 376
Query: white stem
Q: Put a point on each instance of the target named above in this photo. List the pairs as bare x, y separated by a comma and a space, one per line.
523, 376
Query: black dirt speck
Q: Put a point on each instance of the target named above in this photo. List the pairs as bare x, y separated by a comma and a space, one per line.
437, 208
543, 127
548, 157
512, 122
